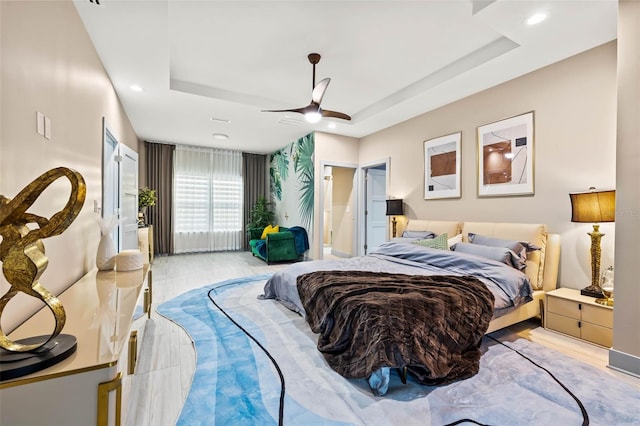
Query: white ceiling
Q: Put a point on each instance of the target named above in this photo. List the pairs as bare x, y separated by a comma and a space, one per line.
388, 60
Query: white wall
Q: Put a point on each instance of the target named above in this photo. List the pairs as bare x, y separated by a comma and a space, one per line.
50, 65
575, 126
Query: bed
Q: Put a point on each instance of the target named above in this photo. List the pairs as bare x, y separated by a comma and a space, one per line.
370, 334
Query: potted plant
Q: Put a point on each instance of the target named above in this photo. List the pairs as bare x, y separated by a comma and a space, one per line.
261, 215
146, 197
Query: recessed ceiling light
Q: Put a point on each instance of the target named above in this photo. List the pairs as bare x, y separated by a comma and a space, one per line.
331, 125
220, 136
536, 18
135, 88
220, 120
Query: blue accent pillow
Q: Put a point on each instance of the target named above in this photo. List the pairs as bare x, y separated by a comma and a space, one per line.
519, 247
499, 254
418, 234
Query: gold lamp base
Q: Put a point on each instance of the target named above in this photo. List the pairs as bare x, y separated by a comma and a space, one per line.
594, 289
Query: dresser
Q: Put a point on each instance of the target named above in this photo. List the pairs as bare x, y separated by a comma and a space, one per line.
568, 312
106, 312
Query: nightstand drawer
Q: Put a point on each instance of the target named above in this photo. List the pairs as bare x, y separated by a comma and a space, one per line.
597, 315
563, 324
565, 307
596, 334
569, 312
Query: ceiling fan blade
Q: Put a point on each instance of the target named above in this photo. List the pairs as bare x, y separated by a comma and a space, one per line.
335, 114
298, 110
318, 91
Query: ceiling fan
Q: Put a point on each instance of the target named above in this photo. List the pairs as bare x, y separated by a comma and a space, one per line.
312, 112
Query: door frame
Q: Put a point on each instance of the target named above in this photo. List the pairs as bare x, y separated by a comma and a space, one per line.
362, 199
320, 240
110, 178
112, 185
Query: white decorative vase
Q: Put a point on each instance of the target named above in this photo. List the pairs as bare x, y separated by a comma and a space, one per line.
106, 255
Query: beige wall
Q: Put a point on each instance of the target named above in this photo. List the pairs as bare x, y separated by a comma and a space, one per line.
50, 65
342, 211
333, 150
626, 315
575, 126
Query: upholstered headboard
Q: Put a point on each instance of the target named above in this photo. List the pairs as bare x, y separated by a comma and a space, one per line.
436, 226
542, 265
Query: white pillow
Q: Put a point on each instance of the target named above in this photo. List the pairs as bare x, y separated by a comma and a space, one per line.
453, 240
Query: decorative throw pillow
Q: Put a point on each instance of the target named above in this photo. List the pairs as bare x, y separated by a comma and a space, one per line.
519, 247
405, 240
440, 242
499, 254
418, 234
269, 230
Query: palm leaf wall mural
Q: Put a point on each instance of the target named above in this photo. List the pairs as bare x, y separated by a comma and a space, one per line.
303, 166
279, 172
295, 160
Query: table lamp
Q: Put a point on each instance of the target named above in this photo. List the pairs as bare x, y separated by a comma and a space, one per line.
594, 207
394, 208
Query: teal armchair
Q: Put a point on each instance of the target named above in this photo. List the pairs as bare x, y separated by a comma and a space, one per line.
281, 246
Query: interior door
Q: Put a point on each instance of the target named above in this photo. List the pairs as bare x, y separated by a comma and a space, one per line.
120, 189
128, 198
110, 179
375, 214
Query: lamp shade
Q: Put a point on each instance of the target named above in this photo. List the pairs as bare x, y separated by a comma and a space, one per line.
394, 207
594, 206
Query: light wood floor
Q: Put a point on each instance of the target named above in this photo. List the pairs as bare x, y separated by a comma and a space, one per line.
167, 361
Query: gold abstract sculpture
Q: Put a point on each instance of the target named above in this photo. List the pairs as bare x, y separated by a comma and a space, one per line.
21, 249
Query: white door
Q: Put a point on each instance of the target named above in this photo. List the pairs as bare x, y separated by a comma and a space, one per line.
128, 198
110, 179
120, 189
376, 206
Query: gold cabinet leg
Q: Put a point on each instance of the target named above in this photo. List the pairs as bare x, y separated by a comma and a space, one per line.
103, 400
150, 287
133, 352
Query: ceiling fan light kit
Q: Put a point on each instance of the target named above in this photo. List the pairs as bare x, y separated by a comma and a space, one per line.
312, 112
313, 116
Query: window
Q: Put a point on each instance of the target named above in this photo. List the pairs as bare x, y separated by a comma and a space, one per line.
207, 199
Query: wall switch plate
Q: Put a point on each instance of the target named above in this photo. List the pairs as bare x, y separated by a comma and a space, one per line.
40, 123
47, 127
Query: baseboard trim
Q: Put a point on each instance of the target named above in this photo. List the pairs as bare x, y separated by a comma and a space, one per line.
625, 363
339, 253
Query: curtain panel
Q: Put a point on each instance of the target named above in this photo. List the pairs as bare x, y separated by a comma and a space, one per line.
256, 185
159, 158
207, 199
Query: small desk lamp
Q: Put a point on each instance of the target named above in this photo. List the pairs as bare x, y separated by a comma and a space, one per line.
594, 207
394, 208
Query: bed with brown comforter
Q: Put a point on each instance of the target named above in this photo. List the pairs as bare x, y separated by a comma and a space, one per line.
430, 325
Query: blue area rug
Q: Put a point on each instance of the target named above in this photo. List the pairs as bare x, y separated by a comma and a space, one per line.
237, 383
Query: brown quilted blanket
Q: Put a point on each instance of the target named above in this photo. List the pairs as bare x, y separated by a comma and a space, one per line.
433, 325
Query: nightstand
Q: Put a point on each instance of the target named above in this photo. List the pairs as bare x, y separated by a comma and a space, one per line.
568, 312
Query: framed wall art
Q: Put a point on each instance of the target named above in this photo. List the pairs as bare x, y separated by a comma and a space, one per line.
505, 157
442, 167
